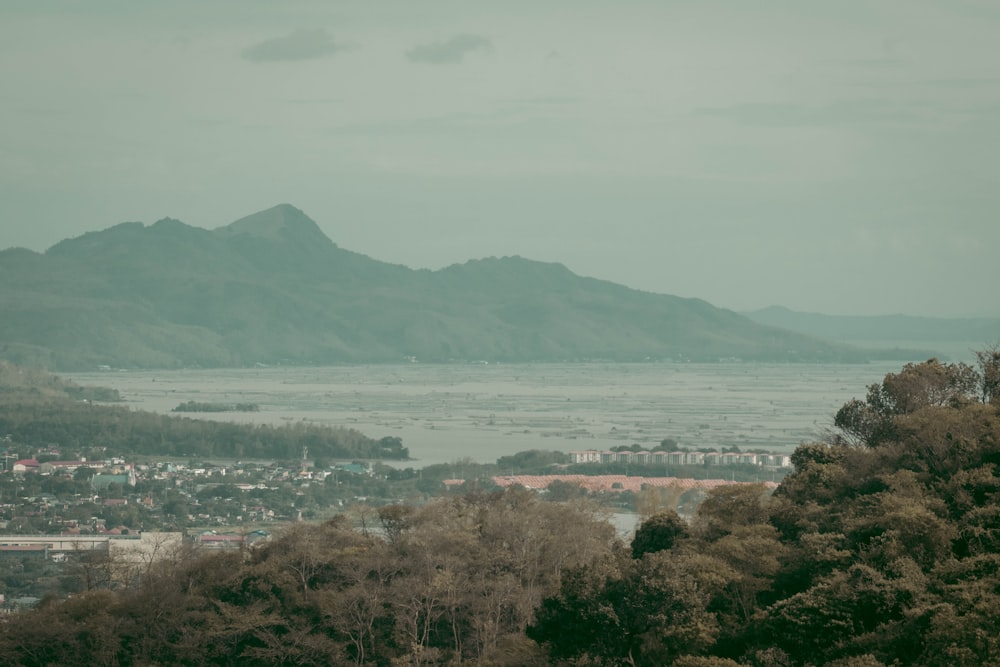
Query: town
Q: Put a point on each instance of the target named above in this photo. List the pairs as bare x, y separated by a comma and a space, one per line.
58, 513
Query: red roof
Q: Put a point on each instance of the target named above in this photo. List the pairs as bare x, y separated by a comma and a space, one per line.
221, 538
613, 482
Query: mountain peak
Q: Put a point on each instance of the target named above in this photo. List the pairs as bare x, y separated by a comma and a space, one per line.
283, 222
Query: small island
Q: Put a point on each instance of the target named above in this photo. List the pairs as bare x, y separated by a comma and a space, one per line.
194, 406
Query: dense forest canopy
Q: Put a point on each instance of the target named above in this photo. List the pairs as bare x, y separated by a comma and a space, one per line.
881, 548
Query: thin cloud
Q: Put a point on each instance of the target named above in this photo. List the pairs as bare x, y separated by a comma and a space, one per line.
298, 45
453, 50
855, 112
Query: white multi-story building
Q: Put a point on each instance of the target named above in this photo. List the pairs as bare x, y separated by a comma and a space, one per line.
769, 460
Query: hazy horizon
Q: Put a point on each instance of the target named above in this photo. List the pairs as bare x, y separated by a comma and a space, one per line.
836, 159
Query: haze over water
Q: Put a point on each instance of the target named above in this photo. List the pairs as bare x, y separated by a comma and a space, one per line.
445, 413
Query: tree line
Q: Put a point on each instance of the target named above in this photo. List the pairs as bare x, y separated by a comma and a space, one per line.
40, 422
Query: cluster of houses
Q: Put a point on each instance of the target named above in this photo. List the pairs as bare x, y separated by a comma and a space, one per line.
106, 473
765, 460
113, 483
119, 471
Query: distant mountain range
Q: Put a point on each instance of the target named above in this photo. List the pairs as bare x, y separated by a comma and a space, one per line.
271, 288
952, 338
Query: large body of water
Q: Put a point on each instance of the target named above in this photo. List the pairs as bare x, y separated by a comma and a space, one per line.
446, 413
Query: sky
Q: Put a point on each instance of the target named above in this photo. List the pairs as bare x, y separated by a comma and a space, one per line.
836, 157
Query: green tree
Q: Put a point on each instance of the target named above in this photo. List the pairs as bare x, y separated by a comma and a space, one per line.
928, 384
625, 611
988, 360
658, 533
728, 507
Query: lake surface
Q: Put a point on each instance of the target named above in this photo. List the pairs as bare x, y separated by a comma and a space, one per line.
449, 412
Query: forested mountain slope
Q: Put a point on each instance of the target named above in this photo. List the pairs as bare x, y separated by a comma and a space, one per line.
272, 288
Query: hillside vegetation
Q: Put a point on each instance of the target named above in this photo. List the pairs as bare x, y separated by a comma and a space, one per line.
881, 548
18, 383
273, 289
39, 410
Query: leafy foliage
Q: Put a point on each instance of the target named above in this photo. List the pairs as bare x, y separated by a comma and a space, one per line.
458, 580
882, 553
658, 533
929, 384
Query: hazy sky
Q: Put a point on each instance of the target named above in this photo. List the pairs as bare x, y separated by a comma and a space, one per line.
839, 157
